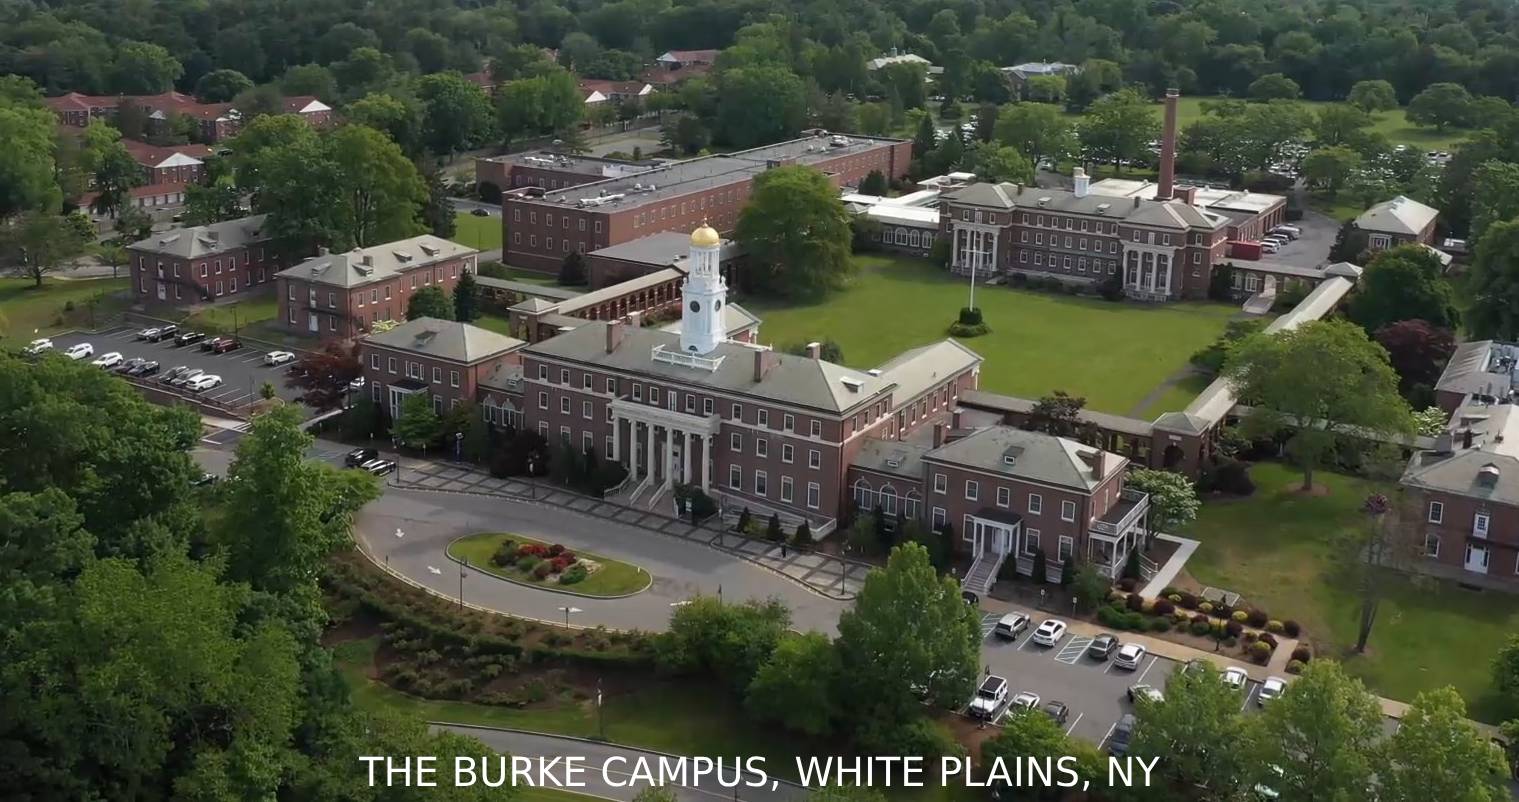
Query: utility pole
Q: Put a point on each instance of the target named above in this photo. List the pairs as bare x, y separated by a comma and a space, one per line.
462, 566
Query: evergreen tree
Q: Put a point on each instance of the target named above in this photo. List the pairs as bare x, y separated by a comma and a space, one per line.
572, 270
773, 532
466, 298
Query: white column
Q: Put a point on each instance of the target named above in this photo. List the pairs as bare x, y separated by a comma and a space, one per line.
954, 245
616, 435
707, 463
648, 454
994, 253
685, 457
669, 456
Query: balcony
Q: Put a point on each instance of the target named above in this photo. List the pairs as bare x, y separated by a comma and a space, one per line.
1121, 517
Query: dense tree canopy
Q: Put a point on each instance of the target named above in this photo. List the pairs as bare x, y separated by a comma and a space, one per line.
796, 231
1404, 283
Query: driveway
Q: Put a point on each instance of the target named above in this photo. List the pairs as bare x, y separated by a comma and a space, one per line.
1312, 248
243, 371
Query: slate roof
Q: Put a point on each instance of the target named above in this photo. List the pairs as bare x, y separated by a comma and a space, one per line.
445, 339
895, 457
1480, 366
916, 370
1172, 214
1488, 470
1401, 215
207, 240
1035, 456
376, 263
795, 380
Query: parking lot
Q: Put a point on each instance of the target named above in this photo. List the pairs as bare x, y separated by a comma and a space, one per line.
243, 371
1312, 248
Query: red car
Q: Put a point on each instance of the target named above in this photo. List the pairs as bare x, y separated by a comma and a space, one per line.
224, 344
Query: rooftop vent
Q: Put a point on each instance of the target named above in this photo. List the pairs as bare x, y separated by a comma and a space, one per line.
401, 256
874, 371
1010, 456
1487, 475
1043, 201
852, 384
430, 250
1102, 208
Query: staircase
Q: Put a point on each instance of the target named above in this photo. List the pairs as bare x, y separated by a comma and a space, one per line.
982, 573
1147, 568
660, 495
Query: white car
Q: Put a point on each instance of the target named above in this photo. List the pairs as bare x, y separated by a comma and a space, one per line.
1129, 656
39, 345
204, 382
80, 351
1026, 700
110, 360
278, 357
1271, 690
1050, 632
1137, 692
990, 698
1269, 247
148, 333
1235, 677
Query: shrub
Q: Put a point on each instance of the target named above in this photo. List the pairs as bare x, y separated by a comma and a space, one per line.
1164, 607
971, 316
1256, 617
1231, 641
1217, 628
1233, 477
1116, 596
1260, 651
1160, 625
1174, 598
1199, 627
1127, 584
1240, 616
1199, 618
556, 550
506, 555
1294, 667
1169, 592
1292, 628
1267, 639
1187, 600
1109, 617
527, 563
1234, 629
1301, 654
572, 575
958, 329
1180, 617
1134, 621
1222, 610
1205, 607
1147, 607
1134, 602
543, 569
1274, 626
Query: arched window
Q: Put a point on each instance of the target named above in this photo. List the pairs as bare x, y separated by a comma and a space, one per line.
911, 505
912, 238
888, 499
863, 497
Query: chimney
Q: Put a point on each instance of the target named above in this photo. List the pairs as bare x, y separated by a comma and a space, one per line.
1443, 442
616, 331
635, 319
1168, 148
954, 419
814, 350
366, 259
1466, 438
938, 435
1136, 201
1187, 195
764, 360
1097, 461
1083, 183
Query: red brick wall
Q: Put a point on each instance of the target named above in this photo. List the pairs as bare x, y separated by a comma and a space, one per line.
346, 313
214, 276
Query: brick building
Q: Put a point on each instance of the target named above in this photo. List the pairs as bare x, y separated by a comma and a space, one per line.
200, 263
446, 360
1400, 221
214, 122
342, 294
541, 226
548, 170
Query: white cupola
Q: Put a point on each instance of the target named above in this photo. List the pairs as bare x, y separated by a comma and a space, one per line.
703, 295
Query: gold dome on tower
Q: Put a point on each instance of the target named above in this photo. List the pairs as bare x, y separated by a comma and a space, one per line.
705, 236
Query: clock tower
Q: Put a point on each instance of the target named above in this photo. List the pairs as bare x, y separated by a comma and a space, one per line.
703, 295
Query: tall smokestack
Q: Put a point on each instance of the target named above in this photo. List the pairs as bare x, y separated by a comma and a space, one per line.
1168, 149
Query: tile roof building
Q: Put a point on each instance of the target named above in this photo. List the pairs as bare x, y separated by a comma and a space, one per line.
190, 265
447, 361
342, 294
1399, 221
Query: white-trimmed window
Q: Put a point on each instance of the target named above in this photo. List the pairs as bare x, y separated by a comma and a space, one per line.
1067, 547
814, 493
864, 497
788, 452
941, 483
1480, 522
1035, 504
736, 442
735, 477
1436, 512
1067, 510
815, 428
888, 500
706, 406
585, 410
738, 412
585, 380
543, 373
814, 458
786, 489
543, 400
1030, 542
763, 417
564, 376
1004, 497
1431, 545
972, 490
761, 484
611, 385
788, 422
761, 447
938, 518
564, 405
638, 392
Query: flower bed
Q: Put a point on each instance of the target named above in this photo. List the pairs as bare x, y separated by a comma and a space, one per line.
1248, 631
551, 565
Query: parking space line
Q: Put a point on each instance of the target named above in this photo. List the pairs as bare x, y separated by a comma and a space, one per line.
1074, 723
1073, 649
1108, 669
1250, 692
1108, 734
1147, 670
1026, 641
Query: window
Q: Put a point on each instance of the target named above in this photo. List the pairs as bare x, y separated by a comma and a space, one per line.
814, 458
1004, 497
1067, 547
735, 477
738, 412
1035, 504
690, 403
638, 392
437, 375
761, 447
888, 500
543, 373
564, 405
391, 365
786, 489
585, 410
813, 492
815, 428
761, 484
1431, 545
972, 490
706, 406
1436, 512
763, 417
937, 519
1479, 524
564, 434
564, 376
1067, 510
1030, 542
543, 400
787, 453
453, 378
611, 386
374, 361
654, 395
941, 483
585, 380
587, 443
332, 300
736, 443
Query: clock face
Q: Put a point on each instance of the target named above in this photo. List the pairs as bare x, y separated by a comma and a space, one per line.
695, 306
717, 305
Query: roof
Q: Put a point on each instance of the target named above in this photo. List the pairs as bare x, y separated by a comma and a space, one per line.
445, 339
904, 215
305, 104
609, 88
1484, 367
1032, 68
917, 370
504, 376
166, 156
377, 262
1401, 215
207, 240
527, 288
897, 457
905, 58
1034, 456
1172, 214
689, 56
1488, 470
980, 399
795, 380
1240, 202
736, 320
662, 249
618, 290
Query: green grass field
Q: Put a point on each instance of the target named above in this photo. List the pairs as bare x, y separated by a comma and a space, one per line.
615, 578
1392, 124
25, 308
1111, 353
480, 233
228, 316
1279, 549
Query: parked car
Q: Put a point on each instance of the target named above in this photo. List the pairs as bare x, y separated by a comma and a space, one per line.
1129, 656
1057, 710
189, 375
1102, 646
1011, 626
206, 345
162, 333
1269, 247
1137, 692
224, 344
1235, 677
187, 337
274, 358
1050, 632
359, 456
80, 351
479, 212
206, 479
109, 360
1123, 732
203, 382
130, 365
379, 467
1291, 231
147, 368
989, 699
1271, 690
1028, 700
39, 345
151, 331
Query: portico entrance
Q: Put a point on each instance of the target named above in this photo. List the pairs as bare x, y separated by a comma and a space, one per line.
662, 446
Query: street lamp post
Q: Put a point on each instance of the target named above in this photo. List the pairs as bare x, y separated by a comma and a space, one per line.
567, 611
458, 446
399, 536
462, 566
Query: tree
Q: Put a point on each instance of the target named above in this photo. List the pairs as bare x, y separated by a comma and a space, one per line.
1119, 127
220, 86
1173, 498
141, 68
210, 203
1198, 734
729, 641
1404, 283
312, 80
796, 231
773, 531
39, 243
1418, 352
1274, 86
797, 686
27, 164
759, 104
1056, 414
112, 254
418, 426
1000, 163
1437, 754
116, 173
1493, 284
1039, 130
1090, 587
572, 270
1506, 670
457, 114
1314, 381
431, 302
1322, 734
399, 117
1441, 105
1329, 168
324, 376
1341, 124
1373, 96
438, 212
908, 628
1032, 735
466, 298
133, 224
874, 183
1495, 196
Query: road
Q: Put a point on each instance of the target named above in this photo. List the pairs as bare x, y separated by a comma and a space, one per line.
469, 205
608, 767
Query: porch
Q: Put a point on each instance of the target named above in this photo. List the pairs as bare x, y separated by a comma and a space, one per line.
1123, 528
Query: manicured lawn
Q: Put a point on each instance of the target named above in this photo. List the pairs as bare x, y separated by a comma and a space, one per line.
497, 323
25, 308
1176, 397
227, 316
1278, 549
480, 233
1392, 124
615, 578
1111, 353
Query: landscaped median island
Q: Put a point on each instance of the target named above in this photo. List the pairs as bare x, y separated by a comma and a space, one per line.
549, 565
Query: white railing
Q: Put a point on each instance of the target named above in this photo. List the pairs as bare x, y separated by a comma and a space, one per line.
682, 359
